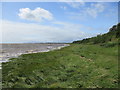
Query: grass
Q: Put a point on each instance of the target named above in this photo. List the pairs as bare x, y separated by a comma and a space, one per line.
0, 79
75, 66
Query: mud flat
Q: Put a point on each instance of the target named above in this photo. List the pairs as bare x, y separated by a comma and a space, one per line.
14, 50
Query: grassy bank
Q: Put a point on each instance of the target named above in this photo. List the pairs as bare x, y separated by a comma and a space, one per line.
75, 66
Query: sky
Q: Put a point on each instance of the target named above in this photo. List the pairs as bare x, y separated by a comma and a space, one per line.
27, 22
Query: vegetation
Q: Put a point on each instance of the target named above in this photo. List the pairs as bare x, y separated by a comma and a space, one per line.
86, 66
0, 79
82, 65
113, 35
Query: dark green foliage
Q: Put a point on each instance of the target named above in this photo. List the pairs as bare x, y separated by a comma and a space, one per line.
110, 44
113, 35
118, 33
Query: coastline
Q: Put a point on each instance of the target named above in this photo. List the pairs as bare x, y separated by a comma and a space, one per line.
5, 58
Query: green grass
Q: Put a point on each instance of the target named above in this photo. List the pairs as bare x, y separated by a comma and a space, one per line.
0, 79
75, 66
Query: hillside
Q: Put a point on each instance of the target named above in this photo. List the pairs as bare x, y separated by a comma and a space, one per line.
111, 37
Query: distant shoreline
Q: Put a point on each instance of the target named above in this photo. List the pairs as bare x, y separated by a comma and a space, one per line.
34, 43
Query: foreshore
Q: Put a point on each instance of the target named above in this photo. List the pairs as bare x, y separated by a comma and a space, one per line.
14, 50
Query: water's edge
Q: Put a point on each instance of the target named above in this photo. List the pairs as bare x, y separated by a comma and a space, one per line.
5, 57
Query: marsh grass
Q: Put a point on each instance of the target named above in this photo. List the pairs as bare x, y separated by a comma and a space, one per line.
75, 66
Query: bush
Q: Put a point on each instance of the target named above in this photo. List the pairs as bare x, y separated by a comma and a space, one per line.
109, 44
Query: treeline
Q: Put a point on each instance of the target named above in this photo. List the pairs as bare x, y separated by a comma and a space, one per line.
112, 36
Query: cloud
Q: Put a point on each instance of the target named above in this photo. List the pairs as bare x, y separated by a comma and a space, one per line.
95, 9
24, 32
63, 7
92, 11
87, 0
75, 4
38, 14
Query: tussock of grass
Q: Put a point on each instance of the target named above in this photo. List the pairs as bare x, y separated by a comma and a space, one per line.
76, 66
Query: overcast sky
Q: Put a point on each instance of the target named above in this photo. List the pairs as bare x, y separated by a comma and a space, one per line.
56, 21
